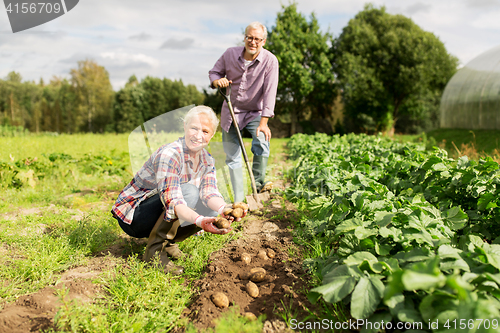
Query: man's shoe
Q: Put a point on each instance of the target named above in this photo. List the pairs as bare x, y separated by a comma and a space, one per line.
268, 186
259, 166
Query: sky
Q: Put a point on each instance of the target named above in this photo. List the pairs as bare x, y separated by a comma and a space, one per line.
182, 39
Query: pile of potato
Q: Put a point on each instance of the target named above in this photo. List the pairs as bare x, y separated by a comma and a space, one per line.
236, 212
254, 275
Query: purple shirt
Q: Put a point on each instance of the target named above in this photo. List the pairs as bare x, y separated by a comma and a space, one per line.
253, 88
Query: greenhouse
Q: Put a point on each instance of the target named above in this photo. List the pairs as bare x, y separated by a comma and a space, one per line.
471, 99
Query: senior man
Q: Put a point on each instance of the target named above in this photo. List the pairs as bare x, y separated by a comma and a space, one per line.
253, 73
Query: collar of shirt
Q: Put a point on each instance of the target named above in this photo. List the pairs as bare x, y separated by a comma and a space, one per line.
241, 58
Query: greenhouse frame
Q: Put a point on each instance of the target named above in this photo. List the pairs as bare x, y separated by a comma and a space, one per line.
471, 99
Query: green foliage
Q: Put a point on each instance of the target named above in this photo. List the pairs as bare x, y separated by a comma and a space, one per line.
140, 102
95, 95
13, 131
28, 172
390, 69
233, 322
409, 229
305, 78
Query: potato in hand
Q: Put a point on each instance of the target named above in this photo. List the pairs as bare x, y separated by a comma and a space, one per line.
222, 223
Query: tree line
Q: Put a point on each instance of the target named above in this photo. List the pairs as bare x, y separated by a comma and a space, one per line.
383, 72
86, 101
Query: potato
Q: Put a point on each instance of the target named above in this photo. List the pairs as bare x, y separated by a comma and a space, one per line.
252, 289
222, 223
237, 212
257, 277
241, 205
258, 269
220, 299
271, 253
246, 258
228, 211
257, 274
246, 275
250, 316
262, 255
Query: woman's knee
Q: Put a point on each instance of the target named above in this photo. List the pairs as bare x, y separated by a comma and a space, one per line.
191, 194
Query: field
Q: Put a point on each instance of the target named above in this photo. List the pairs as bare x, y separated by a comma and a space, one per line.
362, 227
67, 266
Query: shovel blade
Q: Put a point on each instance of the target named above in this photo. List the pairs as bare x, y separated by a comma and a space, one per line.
253, 204
256, 204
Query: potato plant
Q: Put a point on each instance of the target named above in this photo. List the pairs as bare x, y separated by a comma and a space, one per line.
415, 233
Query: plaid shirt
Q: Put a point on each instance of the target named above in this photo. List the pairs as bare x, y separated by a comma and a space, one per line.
163, 173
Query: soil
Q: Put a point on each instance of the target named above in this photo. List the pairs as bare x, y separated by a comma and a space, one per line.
35, 312
283, 287
284, 283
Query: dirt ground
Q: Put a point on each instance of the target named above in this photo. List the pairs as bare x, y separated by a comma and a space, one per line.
282, 289
283, 286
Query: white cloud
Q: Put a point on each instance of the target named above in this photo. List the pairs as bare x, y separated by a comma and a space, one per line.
124, 59
182, 39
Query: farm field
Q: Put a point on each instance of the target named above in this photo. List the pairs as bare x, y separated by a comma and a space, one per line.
67, 266
403, 235
361, 227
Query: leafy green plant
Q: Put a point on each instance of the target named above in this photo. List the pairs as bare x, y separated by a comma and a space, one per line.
411, 228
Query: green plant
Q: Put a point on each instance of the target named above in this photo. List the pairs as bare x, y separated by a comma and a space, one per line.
409, 228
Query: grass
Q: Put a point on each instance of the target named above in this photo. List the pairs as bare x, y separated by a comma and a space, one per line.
45, 240
459, 142
41, 238
232, 322
76, 145
486, 141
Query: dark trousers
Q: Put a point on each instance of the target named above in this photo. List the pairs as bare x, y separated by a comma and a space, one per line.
149, 211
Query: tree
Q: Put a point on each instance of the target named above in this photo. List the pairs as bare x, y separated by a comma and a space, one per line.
14, 77
95, 94
388, 67
138, 102
306, 82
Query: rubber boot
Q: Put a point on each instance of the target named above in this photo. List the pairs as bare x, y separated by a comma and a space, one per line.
259, 166
238, 184
154, 248
173, 251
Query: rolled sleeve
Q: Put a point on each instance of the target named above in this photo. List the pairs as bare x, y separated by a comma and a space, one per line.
270, 88
218, 71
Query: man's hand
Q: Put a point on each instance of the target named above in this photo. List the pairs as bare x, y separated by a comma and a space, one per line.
207, 224
264, 129
221, 83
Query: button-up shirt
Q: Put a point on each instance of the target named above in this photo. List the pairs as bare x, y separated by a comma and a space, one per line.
164, 172
253, 88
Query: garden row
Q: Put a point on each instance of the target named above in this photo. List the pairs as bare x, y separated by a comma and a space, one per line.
61, 167
412, 236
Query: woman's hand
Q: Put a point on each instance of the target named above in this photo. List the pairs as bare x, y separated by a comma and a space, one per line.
207, 224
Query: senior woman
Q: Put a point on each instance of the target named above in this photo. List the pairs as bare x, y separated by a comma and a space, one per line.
174, 194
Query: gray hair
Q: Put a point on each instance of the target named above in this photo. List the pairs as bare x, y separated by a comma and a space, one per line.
257, 25
202, 109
